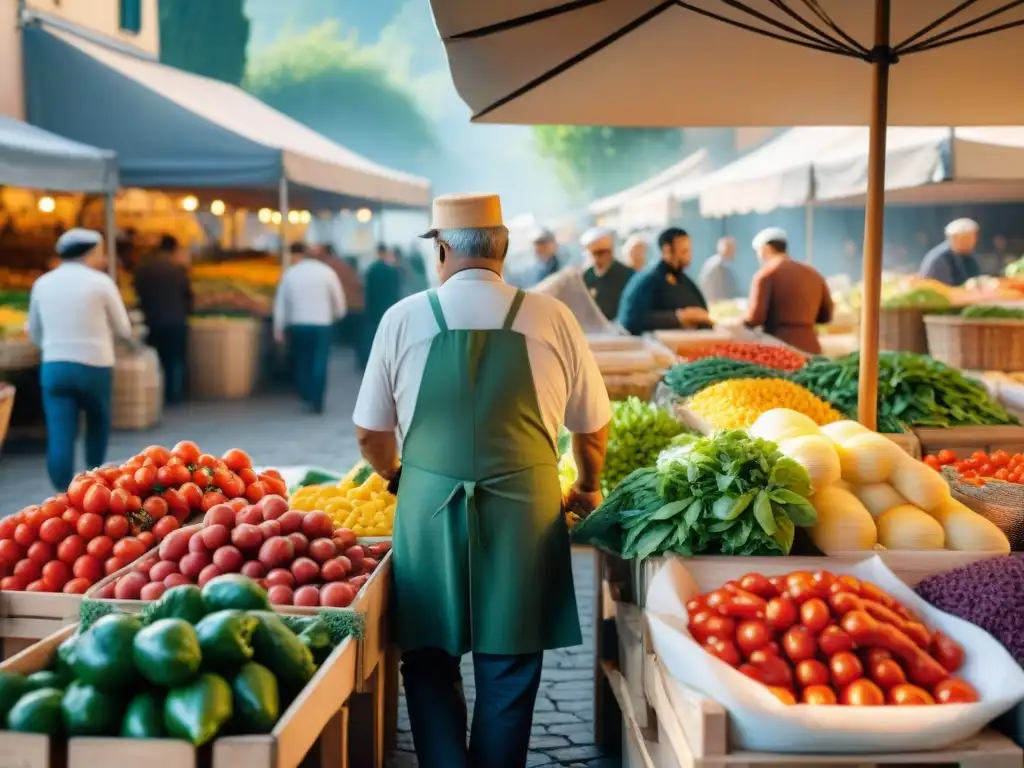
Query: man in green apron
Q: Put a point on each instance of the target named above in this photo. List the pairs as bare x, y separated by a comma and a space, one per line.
470, 382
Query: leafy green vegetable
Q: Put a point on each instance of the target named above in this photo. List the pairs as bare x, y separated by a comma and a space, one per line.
913, 391
728, 494
981, 312
687, 379
1016, 268
639, 431
923, 298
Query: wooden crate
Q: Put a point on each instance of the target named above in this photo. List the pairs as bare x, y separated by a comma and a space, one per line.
975, 343
907, 441
30, 750
695, 730
901, 329
965, 440
27, 617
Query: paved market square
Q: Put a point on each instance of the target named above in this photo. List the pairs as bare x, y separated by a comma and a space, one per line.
275, 431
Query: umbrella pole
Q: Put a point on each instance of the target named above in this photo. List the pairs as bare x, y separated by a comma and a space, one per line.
874, 220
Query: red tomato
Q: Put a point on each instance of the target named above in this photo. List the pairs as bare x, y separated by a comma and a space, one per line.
158, 454
933, 462
946, 457
127, 483
717, 598
955, 691
77, 587
145, 478
862, 693
27, 570
725, 650
799, 643
275, 485
845, 668
164, 526
1002, 474
833, 640
906, 695
719, 627
119, 498
236, 460
887, 673
54, 530
100, 547
56, 574
52, 508
77, 489
248, 476
751, 635
819, 696
1000, 458
255, 492
946, 651
88, 567
71, 549
192, 494
97, 500
986, 470
10, 553
116, 527
811, 672
187, 451
211, 499
177, 506
800, 586
129, 549
781, 614
874, 655
25, 534
40, 553
148, 539
782, 694
773, 670
815, 615
155, 506
8, 524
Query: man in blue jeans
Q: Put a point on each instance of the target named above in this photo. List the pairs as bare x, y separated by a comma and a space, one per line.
309, 300
75, 316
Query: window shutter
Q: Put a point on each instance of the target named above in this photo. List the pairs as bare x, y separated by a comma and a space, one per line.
131, 16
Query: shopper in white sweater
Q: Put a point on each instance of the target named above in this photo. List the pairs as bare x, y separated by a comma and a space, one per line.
75, 316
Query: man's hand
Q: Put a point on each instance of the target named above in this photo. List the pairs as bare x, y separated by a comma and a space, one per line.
691, 317
582, 502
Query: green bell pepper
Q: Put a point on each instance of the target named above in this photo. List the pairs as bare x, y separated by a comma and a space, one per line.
167, 652
256, 699
317, 637
144, 717
12, 687
45, 678
282, 652
225, 638
88, 711
197, 711
232, 591
181, 602
64, 659
37, 712
103, 653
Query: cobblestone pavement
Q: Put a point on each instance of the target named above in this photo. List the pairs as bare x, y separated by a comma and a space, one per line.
276, 432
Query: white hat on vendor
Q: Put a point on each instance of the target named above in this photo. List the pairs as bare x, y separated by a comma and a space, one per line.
769, 235
77, 242
474, 210
598, 238
961, 227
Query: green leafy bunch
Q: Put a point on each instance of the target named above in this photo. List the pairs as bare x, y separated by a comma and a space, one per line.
639, 432
687, 379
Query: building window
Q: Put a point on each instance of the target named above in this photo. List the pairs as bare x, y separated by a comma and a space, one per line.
131, 16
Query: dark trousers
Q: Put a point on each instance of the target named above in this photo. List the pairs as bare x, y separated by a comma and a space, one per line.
310, 350
506, 690
171, 345
69, 389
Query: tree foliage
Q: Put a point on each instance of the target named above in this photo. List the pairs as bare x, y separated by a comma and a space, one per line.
204, 37
595, 160
325, 80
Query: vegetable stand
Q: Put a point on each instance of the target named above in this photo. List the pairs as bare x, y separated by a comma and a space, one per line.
27, 617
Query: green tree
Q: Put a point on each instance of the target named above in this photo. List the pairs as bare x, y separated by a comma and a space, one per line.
596, 161
204, 37
325, 80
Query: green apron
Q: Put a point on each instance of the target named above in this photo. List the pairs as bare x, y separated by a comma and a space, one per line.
481, 548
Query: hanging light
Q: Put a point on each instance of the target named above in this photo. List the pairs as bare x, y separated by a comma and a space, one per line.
190, 203
47, 204
294, 216
305, 217
265, 215
276, 217
363, 215
217, 207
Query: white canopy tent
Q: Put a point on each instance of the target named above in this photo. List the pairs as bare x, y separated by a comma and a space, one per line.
828, 165
652, 202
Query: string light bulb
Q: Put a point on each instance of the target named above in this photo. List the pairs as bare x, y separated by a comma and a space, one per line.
265, 215
47, 204
363, 215
190, 203
217, 207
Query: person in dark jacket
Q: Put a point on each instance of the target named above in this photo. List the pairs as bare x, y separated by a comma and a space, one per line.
662, 296
952, 262
165, 298
606, 277
383, 290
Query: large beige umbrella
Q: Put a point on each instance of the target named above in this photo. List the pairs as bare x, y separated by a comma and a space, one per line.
746, 63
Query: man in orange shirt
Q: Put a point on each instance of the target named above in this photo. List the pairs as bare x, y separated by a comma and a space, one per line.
787, 298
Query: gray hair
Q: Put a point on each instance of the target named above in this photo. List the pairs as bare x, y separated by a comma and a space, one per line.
477, 243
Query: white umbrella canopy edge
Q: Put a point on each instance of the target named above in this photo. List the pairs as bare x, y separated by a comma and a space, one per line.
552, 61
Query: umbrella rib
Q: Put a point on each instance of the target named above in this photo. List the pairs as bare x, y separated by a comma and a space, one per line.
950, 35
938, 22
818, 11
930, 44
580, 57
766, 32
521, 21
738, 5
822, 36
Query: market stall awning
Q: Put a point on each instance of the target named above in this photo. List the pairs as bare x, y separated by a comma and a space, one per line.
175, 130
33, 158
830, 164
651, 203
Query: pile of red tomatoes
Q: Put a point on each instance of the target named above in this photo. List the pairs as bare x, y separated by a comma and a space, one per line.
981, 466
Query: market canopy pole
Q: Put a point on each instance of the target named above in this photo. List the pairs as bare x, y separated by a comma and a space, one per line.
874, 219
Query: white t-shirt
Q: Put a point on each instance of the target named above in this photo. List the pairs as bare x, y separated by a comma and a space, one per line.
569, 386
75, 313
310, 293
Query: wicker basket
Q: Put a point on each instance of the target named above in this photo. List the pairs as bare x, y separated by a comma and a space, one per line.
18, 355
1001, 503
901, 329
981, 344
223, 355
6, 407
138, 391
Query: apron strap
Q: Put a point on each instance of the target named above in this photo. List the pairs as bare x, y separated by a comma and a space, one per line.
435, 307
513, 310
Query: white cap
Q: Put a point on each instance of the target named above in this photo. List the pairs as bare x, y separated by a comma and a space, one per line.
77, 242
961, 227
768, 235
542, 235
595, 235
